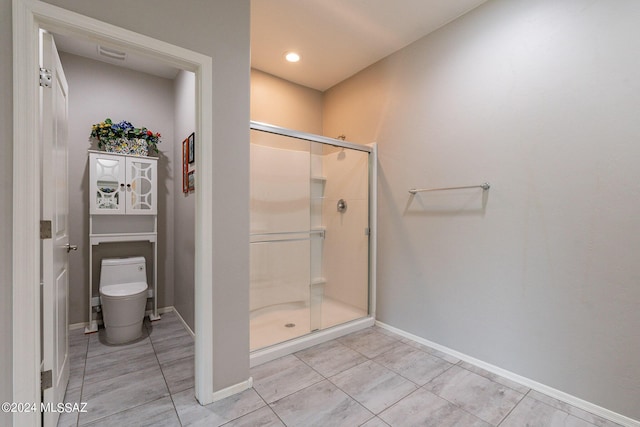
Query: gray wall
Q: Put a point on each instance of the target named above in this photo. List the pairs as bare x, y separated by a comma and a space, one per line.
540, 278
184, 206
6, 194
96, 91
216, 29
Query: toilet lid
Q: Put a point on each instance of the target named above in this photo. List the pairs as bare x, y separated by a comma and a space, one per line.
123, 289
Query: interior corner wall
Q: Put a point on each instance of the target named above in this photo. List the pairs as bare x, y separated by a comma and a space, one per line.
97, 91
540, 274
282, 103
184, 203
220, 30
6, 208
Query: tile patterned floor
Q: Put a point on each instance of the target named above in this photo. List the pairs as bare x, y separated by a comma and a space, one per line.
370, 378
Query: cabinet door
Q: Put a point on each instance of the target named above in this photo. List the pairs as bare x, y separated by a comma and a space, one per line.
107, 173
141, 186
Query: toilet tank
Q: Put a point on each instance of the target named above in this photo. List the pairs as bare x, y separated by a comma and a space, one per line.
122, 270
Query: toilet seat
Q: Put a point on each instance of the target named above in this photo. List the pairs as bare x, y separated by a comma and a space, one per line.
123, 289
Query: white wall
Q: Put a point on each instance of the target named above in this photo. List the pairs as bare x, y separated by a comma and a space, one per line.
96, 91
184, 203
541, 277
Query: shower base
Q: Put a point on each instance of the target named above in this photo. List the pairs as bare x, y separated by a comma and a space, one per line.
273, 326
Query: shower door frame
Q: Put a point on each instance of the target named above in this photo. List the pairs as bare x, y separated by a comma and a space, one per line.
275, 351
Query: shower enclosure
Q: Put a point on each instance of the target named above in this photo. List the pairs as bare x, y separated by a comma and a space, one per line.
312, 239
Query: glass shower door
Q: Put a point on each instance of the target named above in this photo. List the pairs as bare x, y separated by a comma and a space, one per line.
342, 177
280, 239
309, 246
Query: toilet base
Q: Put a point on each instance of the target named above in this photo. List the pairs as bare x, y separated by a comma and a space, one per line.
123, 334
123, 317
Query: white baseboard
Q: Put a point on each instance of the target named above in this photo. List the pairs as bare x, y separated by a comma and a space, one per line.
231, 390
186, 326
527, 382
75, 326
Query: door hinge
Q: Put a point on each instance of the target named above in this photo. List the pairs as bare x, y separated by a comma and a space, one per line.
367, 231
45, 77
45, 229
46, 380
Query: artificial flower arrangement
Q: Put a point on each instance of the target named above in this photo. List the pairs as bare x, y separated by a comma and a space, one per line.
124, 138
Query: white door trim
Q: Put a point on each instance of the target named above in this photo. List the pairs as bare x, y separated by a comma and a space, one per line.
28, 17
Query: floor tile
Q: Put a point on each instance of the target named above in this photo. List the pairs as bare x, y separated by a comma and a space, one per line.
263, 417
174, 348
99, 346
158, 413
321, 404
76, 374
167, 327
424, 409
577, 412
476, 394
373, 385
532, 412
494, 377
122, 362
431, 350
369, 342
191, 413
70, 419
179, 374
387, 332
413, 364
78, 345
124, 392
282, 377
126, 385
375, 422
330, 358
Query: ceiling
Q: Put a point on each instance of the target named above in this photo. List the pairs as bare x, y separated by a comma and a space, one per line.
89, 49
338, 38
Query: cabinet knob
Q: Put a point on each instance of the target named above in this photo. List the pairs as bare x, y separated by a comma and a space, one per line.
121, 185
128, 185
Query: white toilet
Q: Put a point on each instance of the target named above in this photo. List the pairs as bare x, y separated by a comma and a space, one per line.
123, 295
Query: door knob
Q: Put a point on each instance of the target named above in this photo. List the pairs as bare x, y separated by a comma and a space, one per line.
71, 247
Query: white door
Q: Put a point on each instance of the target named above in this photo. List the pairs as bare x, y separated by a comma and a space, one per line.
55, 250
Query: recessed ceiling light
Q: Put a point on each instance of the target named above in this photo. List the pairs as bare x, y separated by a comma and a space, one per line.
292, 56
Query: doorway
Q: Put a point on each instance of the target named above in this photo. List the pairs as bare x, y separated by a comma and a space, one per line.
28, 20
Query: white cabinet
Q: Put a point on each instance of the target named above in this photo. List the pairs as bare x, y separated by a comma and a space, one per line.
121, 184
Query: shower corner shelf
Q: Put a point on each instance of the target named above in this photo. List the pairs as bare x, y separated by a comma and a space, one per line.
318, 281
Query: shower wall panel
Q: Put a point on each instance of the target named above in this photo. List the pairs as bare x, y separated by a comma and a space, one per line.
280, 203
346, 245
